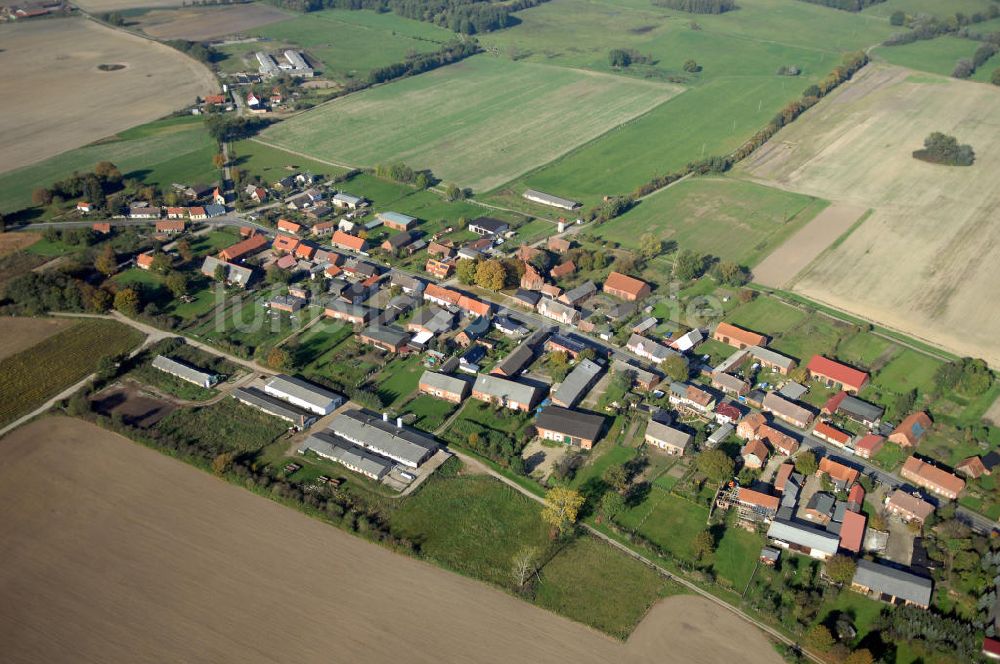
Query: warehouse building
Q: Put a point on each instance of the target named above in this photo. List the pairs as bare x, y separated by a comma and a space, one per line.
303, 394
268, 67
892, 585
184, 372
551, 201
263, 401
347, 454
391, 440
577, 384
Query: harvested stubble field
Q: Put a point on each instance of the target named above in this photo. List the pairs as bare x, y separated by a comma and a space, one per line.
200, 23
39, 372
479, 122
924, 261
115, 550
55, 98
17, 334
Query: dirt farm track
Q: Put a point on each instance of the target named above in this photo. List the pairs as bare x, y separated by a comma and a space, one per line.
54, 98
115, 553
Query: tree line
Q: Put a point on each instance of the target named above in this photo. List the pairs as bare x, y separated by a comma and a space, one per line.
845, 5
423, 62
698, 6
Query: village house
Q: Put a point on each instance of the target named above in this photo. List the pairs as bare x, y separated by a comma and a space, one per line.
144, 261
214, 210
397, 221
852, 532
170, 226
737, 337
749, 426
443, 249
973, 468
932, 478
787, 411
639, 378
727, 413
571, 345
431, 320
104, 228
892, 585
532, 279
346, 201
842, 476
625, 287
577, 384
389, 339
833, 435
488, 226
911, 429
820, 508
908, 507
304, 251
284, 243
558, 311
342, 240
288, 226
803, 538
862, 412
772, 360
506, 393
323, 229
664, 437
752, 506
197, 213
689, 397
144, 211
394, 243
578, 295
84, 207
687, 341
571, 427
439, 269
509, 327
257, 194
516, 361
349, 313
558, 245
475, 329
177, 213
779, 441
754, 454
869, 445
286, 303
834, 374
730, 384
649, 349
444, 387
563, 270
238, 275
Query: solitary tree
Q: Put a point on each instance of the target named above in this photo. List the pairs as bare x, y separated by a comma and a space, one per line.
703, 545
562, 508
185, 251
466, 271
897, 18
523, 566
806, 463
105, 263
840, 569
278, 358
617, 478
688, 265
863, 656
219, 160
177, 283
716, 464
127, 301
691, 66
650, 246
676, 367
491, 275
819, 638
612, 504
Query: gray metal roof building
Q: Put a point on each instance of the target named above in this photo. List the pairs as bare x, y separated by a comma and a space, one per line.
347, 454
860, 410
550, 200
516, 360
657, 433
577, 383
570, 422
184, 372
893, 584
444, 383
303, 394
262, 401
389, 439
505, 390
803, 538
235, 274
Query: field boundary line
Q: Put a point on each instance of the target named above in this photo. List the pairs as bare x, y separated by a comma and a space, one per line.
303, 155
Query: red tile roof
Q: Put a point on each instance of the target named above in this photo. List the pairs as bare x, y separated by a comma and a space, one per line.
833, 403
911, 429
473, 305
991, 647
852, 531
755, 447
972, 467
838, 471
832, 433
285, 243
933, 476
857, 495
746, 337
340, 238
170, 225
305, 251
289, 226
621, 282
144, 260
243, 248
285, 262
919, 508
758, 498
442, 293
785, 471
870, 443
563, 269
841, 373
728, 410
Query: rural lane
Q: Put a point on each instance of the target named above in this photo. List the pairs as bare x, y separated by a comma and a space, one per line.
483, 468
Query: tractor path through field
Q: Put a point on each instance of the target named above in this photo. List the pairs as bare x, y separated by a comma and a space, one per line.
303, 155
646, 561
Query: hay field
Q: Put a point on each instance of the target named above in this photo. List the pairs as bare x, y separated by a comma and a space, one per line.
480, 122
200, 23
55, 99
924, 261
112, 549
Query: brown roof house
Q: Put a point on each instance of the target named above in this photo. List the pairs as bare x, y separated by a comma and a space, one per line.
626, 287
911, 429
754, 454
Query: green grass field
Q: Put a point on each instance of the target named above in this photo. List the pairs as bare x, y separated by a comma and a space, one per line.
162, 152
668, 521
40, 372
937, 56
228, 424
933, 7
594, 584
271, 164
429, 411
347, 44
398, 380
731, 219
736, 556
480, 122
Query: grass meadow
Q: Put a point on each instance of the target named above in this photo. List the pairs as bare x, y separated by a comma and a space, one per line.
480, 122
731, 219
937, 56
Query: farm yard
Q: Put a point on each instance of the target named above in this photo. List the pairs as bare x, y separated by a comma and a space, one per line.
201, 23
730, 219
344, 44
41, 370
57, 60
480, 122
916, 264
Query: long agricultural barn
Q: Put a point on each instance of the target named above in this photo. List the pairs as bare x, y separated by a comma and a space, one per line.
303, 394
267, 64
347, 454
184, 372
379, 435
264, 402
551, 201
